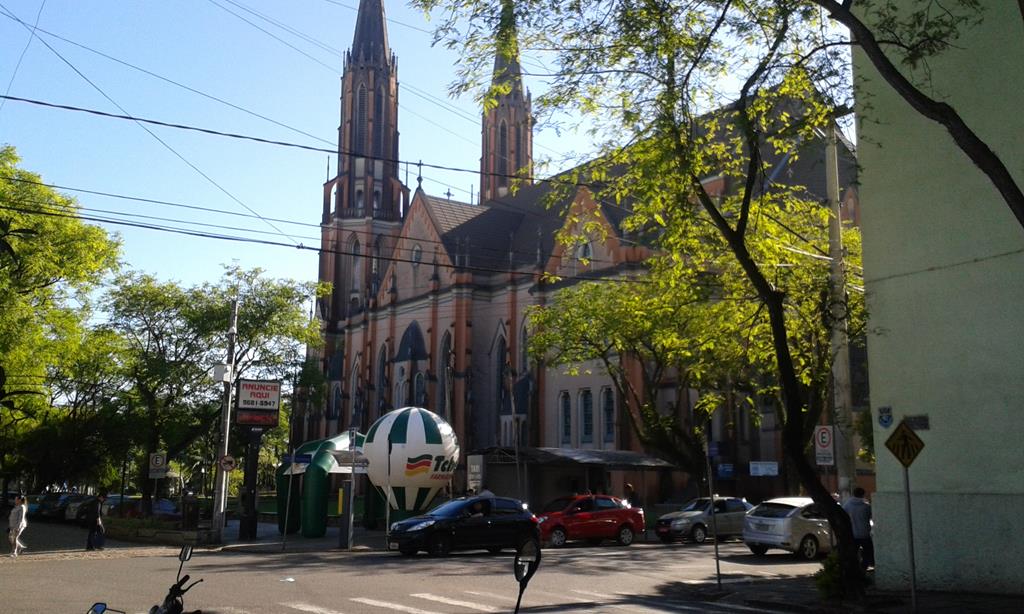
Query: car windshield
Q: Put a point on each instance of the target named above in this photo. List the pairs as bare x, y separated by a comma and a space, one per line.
772, 510
697, 505
451, 508
558, 504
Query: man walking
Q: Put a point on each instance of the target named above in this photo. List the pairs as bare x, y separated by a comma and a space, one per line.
94, 519
859, 511
16, 524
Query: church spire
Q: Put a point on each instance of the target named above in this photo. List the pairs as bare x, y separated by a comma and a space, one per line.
507, 121
371, 36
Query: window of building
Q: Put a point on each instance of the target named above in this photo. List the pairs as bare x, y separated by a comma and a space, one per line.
359, 134
420, 387
378, 123
417, 255
524, 355
608, 413
566, 409
586, 416
502, 154
376, 200
359, 199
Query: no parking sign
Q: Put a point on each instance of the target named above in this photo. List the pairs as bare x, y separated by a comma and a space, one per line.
824, 446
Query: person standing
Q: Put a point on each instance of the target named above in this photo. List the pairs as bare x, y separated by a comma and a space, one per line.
631, 497
859, 511
16, 524
94, 519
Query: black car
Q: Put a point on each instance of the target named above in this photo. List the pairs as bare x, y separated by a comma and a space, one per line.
53, 505
466, 523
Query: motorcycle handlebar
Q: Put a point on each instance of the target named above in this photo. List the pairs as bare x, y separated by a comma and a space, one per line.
181, 582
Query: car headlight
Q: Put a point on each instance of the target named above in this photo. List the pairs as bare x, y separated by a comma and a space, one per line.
394, 525
419, 526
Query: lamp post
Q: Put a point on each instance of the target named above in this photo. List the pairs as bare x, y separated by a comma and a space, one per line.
220, 487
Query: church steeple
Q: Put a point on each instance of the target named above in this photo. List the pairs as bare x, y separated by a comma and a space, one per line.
366, 200
371, 35
507, 135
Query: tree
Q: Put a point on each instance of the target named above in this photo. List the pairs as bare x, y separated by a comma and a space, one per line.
678, 93
49, 263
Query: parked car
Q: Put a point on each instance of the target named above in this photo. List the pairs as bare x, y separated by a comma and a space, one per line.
590, 517
466, 523
52, 505
33, 504
789, 523
110, 506
74, 507
693, 521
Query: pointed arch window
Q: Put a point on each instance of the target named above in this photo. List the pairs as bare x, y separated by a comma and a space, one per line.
359, 134
502, 154
608, 414
382, 381
501, 372
446, 377
586, 416
565, 411
378, 123
519, 150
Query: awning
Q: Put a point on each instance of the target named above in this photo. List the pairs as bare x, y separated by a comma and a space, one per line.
609, 459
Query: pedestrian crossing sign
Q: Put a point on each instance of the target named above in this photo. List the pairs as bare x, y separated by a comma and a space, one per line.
904, 444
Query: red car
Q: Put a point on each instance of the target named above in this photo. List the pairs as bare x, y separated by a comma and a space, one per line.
589, 517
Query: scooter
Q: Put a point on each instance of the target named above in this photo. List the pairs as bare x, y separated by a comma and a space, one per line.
173, 602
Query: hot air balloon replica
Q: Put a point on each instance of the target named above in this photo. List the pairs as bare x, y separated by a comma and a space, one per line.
411, 454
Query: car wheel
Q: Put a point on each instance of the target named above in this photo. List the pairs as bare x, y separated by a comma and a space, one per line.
808, 548
625, 537
407, 551
440, 545
758, 549
699, 534
558, 537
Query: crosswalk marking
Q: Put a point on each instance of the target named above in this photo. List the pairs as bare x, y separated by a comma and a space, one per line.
492, 596
462, 604
391, 606
607, 597
308, 607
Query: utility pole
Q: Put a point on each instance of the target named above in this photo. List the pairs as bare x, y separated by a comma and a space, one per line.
842, 400
220, 488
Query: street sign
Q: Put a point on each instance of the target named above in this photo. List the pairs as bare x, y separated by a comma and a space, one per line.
713, 448
904, 444
227, 463
885, 416
298, 458
158, 465
824, 446
726, 470
764, 468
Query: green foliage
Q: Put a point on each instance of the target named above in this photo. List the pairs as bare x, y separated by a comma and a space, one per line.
828, 579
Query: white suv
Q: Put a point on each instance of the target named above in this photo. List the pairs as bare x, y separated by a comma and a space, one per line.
789, 523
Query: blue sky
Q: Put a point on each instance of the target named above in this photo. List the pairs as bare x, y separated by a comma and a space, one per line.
199, 44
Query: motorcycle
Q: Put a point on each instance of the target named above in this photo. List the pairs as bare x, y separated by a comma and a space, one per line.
174, 601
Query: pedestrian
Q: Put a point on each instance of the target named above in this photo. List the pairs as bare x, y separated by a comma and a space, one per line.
859, 511
94, 519
485, 492
631, 497
16, 524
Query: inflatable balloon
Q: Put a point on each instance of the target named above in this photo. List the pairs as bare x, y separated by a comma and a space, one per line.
411, 454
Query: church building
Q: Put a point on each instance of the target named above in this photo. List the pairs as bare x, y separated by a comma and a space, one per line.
430, 296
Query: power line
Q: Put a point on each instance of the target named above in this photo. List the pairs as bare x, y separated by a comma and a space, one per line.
122, 109
21, 57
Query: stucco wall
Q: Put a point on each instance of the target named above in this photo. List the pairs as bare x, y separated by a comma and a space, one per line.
944, 271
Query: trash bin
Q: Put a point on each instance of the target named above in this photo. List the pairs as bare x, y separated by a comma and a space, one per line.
189, 512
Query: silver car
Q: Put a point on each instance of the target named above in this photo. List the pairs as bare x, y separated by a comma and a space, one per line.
693, 521
789, 523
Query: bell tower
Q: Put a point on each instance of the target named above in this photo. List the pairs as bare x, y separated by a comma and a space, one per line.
364, 203
507, 127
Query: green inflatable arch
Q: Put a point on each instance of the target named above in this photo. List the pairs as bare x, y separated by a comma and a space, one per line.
307, 505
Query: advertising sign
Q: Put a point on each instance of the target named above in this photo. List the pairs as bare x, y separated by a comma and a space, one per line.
824, 446
257, 403
475, 471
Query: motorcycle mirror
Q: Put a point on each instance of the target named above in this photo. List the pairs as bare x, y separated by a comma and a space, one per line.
185, 554
97, 608
525, 565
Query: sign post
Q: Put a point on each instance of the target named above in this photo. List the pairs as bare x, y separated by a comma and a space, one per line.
258, 408
905, 445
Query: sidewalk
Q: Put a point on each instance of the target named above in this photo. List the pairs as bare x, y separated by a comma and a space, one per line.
268, 539
800, 595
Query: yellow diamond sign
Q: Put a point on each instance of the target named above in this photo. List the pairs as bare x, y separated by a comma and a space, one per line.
904, 444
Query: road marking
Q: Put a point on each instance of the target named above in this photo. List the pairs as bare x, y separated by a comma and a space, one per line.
391, 606
492, 596
308, 607
462, 604
606, 597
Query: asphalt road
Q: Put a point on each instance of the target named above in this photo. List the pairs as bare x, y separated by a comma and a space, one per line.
641, 578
